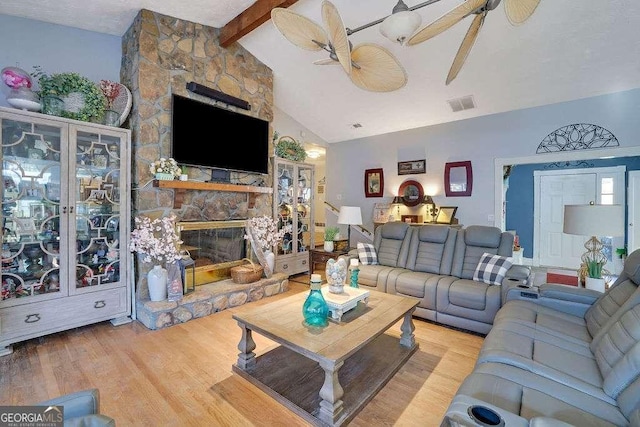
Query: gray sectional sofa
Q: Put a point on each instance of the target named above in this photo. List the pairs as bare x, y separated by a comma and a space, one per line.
558, 356
435, 264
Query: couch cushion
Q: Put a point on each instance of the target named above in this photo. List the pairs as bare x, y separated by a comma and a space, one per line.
618, 352
431, 249
492, 269
392, 241
367, 253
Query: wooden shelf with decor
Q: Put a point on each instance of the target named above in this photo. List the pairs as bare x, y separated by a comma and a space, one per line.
181, 188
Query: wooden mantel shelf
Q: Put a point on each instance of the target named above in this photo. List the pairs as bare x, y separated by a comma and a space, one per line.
181, 188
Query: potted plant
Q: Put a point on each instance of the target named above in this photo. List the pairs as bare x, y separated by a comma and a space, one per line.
594, 278
82, 98
330, 234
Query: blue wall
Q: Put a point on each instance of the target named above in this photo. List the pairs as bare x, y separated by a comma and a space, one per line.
57, 49
520, 198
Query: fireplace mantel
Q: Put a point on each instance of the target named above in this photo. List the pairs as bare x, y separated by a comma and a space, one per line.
181, 187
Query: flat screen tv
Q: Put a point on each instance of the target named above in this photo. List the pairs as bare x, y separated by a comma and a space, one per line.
239, 142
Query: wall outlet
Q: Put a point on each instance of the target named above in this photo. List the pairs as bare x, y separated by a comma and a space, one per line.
491, 217
338, 196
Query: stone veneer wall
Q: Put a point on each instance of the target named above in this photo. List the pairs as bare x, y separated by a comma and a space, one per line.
160, 54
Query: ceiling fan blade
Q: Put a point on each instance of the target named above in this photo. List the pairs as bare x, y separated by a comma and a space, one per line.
376, 69
467, 43
326, 61
446, 21
519, 11
299, 30
337, 34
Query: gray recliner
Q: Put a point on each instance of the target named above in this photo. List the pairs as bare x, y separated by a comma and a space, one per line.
82, 409
461, 301
544, 358
391, 242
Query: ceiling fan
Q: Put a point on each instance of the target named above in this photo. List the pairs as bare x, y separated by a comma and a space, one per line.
369, 66
517, 12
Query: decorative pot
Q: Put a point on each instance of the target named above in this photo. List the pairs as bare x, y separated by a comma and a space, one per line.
328, 245
595, 284
336, 274
52, 105
111, 118
271, 260
157, 283
164, 176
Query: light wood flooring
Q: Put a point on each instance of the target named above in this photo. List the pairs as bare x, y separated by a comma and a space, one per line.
181, 376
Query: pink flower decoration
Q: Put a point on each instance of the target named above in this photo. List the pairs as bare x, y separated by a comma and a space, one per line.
15, 78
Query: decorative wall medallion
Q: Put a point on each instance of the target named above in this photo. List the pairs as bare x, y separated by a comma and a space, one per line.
582, 136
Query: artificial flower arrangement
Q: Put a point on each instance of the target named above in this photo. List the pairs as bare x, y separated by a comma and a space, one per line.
264, 230
168, 166
110, 90
156, 240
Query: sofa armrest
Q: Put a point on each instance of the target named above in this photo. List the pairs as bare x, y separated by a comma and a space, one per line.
569, 293
78, 404
521, 273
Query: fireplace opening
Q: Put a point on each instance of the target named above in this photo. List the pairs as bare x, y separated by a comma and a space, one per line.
215, 246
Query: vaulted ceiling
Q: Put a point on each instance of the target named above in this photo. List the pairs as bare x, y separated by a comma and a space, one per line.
567, 50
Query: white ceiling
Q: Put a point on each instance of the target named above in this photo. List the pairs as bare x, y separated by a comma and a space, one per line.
567, 50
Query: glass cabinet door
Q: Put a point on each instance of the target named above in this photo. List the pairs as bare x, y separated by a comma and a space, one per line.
32, 232
96, 204
304, 208
285, 202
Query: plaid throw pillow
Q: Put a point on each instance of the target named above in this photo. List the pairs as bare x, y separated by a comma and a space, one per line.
367, 253
492, 268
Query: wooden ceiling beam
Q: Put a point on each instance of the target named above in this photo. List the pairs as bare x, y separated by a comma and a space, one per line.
250, 19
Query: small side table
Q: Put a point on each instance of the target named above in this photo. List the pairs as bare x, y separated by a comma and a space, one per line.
320, 256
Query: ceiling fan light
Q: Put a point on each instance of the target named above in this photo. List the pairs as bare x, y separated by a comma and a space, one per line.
401, 25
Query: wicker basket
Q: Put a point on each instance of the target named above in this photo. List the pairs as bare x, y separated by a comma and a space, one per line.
246, 273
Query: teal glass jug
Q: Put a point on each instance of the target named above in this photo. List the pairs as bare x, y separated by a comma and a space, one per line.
315, 309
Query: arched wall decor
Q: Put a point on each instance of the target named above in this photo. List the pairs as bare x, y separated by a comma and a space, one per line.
582, 136
569, 165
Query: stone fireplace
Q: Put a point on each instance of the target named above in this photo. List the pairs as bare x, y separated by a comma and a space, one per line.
160, 55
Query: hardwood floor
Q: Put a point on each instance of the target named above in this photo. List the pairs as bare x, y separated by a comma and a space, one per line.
181, 376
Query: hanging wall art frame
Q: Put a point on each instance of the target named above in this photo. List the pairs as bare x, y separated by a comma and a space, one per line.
373, 182
458, 179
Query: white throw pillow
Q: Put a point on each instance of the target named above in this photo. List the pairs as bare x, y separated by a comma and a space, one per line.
492, 269
367, 254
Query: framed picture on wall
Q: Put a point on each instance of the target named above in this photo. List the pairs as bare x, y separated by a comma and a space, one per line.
373, 183
412, 167
446, 214
458, 179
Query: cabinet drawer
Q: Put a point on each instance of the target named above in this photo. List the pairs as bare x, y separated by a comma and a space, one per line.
285, 265
32, 320
302, 263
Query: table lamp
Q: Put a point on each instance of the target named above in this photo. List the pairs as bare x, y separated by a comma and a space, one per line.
596, 221
350, 215
431, 207
397, 200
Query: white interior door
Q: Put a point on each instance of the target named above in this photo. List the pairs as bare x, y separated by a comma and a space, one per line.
633, 212
555, 248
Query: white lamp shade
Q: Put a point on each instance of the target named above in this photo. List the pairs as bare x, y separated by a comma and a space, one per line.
400, 26
594, 220
350, 215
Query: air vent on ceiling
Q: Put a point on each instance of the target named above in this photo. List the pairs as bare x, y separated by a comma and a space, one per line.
464, 103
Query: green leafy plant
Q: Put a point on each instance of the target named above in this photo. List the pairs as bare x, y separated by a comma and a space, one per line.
63, 84
330, 233
594, 269
621, 252
289, 148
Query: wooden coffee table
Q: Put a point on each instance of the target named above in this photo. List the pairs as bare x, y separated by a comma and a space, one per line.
326, 375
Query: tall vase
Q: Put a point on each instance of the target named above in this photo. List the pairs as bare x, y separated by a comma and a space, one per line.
328, 245
315, 308
271, 259
157, 283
